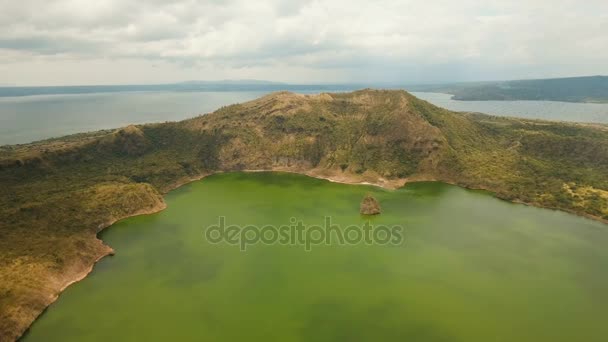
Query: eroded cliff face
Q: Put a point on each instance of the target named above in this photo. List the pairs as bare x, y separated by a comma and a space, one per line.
57, 194
48, 254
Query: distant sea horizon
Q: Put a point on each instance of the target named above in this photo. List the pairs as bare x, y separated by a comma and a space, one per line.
189, 86
30, 114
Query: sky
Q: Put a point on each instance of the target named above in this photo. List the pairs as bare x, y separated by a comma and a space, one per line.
74, 42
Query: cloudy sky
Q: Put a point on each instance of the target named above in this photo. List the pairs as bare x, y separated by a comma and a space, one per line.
51, 42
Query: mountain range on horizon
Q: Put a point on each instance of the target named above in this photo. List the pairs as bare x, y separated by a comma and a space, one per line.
593, 89
231, 82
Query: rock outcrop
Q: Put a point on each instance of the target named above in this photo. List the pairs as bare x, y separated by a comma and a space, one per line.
370, 206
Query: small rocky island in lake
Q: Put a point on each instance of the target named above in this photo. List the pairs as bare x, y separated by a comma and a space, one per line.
370, 206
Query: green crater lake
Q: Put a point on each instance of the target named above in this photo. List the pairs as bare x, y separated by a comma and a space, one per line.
470, 268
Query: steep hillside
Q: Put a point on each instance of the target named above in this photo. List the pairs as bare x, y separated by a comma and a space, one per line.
55, 195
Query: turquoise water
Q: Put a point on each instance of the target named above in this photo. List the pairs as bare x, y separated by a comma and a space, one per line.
470, 268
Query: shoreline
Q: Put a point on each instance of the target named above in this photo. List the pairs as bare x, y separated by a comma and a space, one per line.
109, 251
179, 183
344, 179
348, 179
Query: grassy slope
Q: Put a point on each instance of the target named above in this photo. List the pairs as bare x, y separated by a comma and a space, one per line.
57, 194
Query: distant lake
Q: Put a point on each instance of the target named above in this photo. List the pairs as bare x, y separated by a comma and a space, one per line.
25, 119
544, 110
29, 118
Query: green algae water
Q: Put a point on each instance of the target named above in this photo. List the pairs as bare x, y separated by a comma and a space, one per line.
470, 268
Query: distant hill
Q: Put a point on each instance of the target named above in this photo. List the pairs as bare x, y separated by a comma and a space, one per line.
234, 82
188, 86
592, 89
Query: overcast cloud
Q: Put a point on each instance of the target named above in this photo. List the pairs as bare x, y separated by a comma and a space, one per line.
156, 41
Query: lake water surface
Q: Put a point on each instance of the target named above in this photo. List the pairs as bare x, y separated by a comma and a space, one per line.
471, 268
543, 110
29, 118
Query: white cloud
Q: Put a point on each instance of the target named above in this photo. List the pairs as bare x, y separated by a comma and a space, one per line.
307, 40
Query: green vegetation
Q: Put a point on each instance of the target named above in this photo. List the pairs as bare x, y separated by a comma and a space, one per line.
55, 195
574, 89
